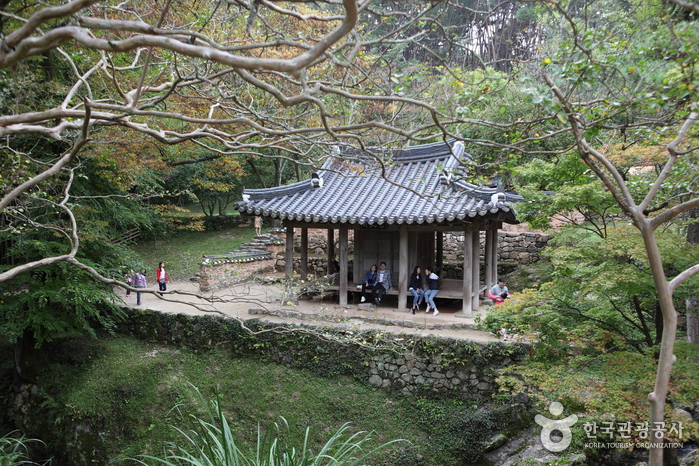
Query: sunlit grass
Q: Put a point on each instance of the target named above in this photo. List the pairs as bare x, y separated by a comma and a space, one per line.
182, 254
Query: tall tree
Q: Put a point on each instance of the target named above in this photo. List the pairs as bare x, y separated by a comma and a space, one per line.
295, 78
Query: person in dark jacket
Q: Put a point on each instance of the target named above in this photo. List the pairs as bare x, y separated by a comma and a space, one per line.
416, 288
433, 289
369, 280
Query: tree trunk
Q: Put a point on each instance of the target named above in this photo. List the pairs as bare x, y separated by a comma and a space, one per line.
26, 361
693, 320
693, 301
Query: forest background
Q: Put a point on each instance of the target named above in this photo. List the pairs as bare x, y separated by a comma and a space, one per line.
114, 114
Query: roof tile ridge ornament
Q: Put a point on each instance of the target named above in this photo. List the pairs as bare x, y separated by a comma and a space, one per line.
316, 180
498, 196
453, 162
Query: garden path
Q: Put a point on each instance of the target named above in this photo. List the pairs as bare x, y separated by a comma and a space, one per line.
263, 301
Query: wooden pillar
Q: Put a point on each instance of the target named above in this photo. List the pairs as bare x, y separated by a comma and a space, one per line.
488, 258
358, 264
439, 262
343, 265
289, 271
304, 253
404, 268
495, 253
331, 251
476, 273
468, 274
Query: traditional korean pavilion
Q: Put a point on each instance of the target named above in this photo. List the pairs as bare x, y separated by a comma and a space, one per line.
399, 203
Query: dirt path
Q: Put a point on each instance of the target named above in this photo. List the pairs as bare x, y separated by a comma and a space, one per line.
263, 302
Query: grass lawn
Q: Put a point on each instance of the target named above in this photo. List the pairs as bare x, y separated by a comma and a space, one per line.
182, 254
130, 387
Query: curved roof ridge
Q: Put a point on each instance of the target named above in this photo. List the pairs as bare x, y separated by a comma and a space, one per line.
276, 191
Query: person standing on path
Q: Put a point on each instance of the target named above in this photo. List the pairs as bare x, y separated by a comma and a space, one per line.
129, 280
161, 277
140, 282
433, 289
258, 226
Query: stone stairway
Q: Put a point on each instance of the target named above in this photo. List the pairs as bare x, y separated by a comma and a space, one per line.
253, 250
259, 243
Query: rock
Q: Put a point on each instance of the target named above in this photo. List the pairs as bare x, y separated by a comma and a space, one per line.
683, 415
494, 442
576, 459
691, 458
375, 380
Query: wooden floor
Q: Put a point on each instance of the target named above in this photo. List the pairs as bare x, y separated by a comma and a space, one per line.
449, 289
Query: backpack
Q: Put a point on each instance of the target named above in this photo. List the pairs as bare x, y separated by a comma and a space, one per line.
140, 280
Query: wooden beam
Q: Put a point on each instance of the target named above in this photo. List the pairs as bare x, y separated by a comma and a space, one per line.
488, 258
331, 251
404, 268
304, 253
289, 270
476, 274
343, 265
439, 260
467, 308
496, 238
358, 264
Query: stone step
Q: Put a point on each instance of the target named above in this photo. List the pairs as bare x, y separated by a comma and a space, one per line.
351, 319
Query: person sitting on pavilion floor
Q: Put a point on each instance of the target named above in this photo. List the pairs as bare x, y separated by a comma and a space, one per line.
383, 283
499, 293
432, 289
369, 281
416, 288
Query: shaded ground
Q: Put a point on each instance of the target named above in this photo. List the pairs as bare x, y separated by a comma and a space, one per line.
264, 302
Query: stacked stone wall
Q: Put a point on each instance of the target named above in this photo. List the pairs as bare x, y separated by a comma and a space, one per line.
436, 366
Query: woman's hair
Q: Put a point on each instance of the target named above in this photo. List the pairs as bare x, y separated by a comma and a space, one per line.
416, 269
373, 267
160, 265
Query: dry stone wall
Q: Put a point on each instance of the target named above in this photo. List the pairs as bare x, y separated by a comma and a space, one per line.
433, 366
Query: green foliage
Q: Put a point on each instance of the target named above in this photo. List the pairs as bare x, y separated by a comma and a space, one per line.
606, 387
14, 451
459, 430
600, 295
121, 392
215, 183
564, 189
55, 299
213, 443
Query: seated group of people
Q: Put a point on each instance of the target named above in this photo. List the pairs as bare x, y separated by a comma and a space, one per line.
379, 282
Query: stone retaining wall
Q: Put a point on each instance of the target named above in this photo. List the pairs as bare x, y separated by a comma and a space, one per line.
215, 276
411, 364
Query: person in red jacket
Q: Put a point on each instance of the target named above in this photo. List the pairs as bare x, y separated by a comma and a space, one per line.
161, 277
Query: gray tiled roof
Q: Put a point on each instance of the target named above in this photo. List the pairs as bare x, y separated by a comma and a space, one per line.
417, 189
